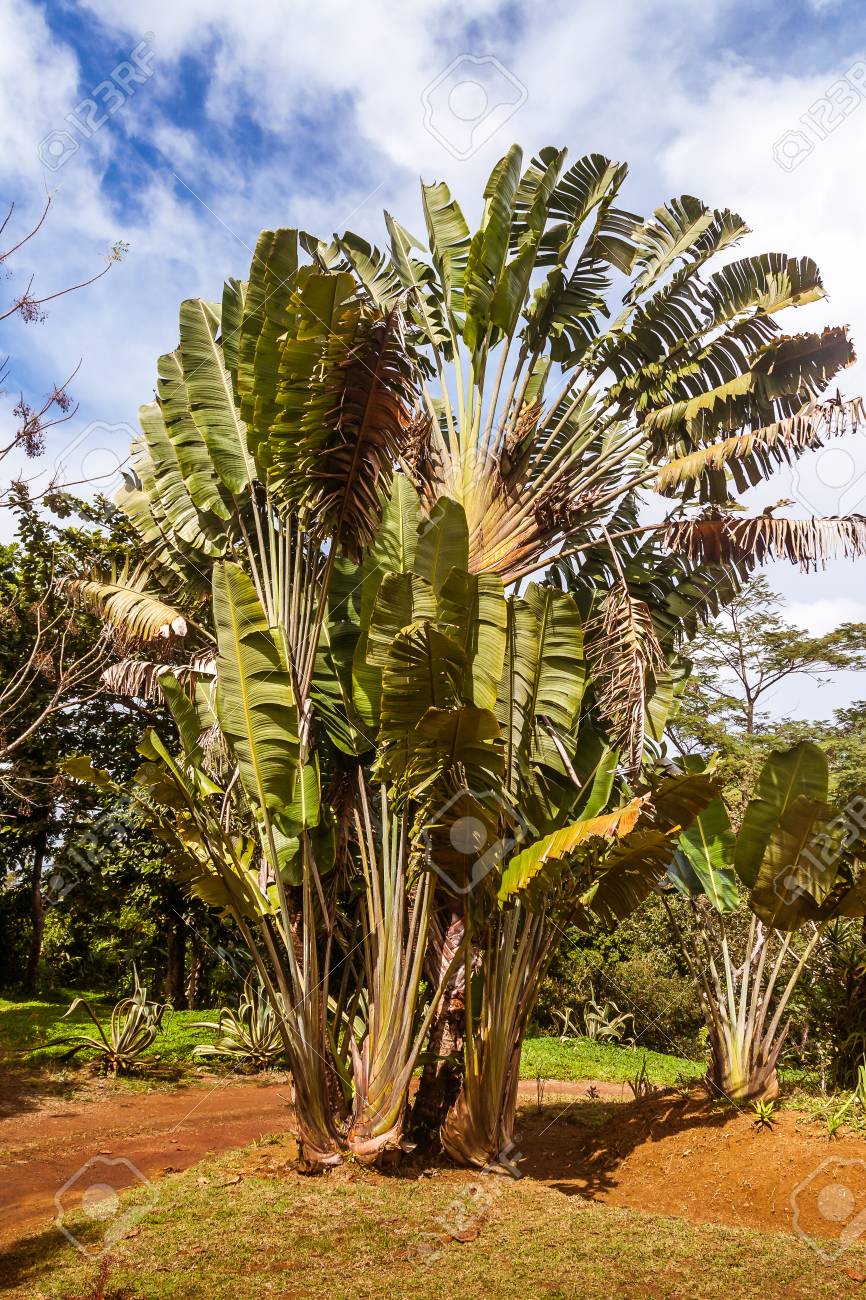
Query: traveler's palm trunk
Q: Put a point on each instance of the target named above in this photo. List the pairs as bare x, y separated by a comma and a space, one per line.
479, 1130
440, 1078
395, 941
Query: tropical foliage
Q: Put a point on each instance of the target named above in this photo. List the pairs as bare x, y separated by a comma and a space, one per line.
133, 1027
402, 766
249, 1036
796, 859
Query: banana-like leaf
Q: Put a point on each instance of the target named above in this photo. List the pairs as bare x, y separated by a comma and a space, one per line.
443, 542
269, 310
753, 457
403, 598
218, 878
394, 546
347, 395
659, 704
231, 323
193, 458
801, 771
455, 746
304, 809
125, 600
474, 605
631, 870
849, 901
423, 670
425, 299
488, 248
558, 683
255, 704
598, 782
140, 678
677, 800
331, 692
449, 241
82, 768
516, 690
625, 659
529, 218
211, 395
354, 587
773, 381
708, 844
374, 269
727, 540
542, 862
141, 499
768, 282
162, 556
668, 235
567, 306
800, 864
185, 714
189, 526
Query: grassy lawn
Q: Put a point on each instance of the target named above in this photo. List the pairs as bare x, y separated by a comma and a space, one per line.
584, 1058
24, 1025
245, 1224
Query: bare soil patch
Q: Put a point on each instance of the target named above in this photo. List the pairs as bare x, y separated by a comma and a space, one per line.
42, 1148
665, 1154
709, 1164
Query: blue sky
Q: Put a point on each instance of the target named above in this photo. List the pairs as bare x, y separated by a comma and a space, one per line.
321, 114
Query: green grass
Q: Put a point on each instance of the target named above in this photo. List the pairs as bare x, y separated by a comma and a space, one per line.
25, 1025
246, 1225
583, 1058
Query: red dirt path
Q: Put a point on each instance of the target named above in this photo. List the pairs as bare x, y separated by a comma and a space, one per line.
41, 1149
666, 1154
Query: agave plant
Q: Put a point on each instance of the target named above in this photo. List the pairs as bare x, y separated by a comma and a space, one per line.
249, 1036
133, 1027
605, 1022
353, 465
797, 860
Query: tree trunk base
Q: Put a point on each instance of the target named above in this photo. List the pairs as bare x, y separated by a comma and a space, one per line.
379, 1149
761, 1085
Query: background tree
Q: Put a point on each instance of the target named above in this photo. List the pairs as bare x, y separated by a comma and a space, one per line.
53, 703
34, 417
738, 662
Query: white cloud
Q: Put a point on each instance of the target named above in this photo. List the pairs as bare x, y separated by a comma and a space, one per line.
824, 614
38, 80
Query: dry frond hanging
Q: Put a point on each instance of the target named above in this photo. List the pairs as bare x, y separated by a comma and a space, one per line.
726, 539
624, 656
